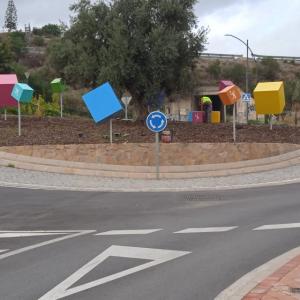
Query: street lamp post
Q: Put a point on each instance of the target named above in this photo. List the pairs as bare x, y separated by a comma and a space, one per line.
247, 65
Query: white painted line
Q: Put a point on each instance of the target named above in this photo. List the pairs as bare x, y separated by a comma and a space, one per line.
28, 234
207, 229
278, 226
157, 256
248, 282
69, 236
3, 250
39, 231
129, 232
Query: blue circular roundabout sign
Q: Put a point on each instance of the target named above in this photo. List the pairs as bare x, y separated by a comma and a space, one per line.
156, 121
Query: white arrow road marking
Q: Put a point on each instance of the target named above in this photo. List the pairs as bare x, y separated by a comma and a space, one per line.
69, 234
207, 229
128, 232
158, 256
278, 226
4, 250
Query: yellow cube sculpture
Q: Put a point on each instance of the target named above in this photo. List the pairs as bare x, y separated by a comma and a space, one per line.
215, 117
269, 98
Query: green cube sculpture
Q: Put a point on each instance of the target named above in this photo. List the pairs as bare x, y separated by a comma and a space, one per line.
57, 86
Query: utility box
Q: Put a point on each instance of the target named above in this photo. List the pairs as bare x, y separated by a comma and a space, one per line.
22, 93
230, 95
269, 98
7, 82
57, 86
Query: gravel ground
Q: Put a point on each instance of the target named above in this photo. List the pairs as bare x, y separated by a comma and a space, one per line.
32, 179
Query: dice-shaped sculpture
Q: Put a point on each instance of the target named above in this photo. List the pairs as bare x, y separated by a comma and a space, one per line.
57, 85
225, 83
7, 82
269, 98
22, 92
230, 95
102, 102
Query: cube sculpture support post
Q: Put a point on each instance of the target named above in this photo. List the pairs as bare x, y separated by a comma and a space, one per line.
58, 87
230, 95
7, 82
103, 104
22, 93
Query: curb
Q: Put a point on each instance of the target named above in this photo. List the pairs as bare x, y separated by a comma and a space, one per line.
257, 283
144, 172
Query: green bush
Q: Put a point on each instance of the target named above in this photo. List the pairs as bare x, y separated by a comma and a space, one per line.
38, 41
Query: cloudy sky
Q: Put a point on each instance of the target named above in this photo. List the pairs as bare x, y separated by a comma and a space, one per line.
271, 26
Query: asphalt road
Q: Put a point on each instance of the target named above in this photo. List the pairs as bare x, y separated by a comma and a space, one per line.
49, 248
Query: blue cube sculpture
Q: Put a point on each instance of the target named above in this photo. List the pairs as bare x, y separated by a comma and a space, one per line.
102, 102
22, 92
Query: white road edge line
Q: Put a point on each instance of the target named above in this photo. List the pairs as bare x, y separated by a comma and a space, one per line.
207, 229
278, 226
70, 236
3, 250
245, 284
129, 232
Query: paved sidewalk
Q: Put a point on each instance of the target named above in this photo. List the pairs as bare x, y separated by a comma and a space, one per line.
34, 179
284, 284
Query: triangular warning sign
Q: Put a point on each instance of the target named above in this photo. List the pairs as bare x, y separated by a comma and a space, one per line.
157, 256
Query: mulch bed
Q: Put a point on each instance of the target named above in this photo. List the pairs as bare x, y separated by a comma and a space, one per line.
41, 131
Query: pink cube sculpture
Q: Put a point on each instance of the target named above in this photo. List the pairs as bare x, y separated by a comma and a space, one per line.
198, 117
7, 83
225, 83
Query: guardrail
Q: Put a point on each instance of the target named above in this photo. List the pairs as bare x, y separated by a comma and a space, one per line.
221, 56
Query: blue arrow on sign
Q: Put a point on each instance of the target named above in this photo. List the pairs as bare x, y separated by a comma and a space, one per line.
156, 121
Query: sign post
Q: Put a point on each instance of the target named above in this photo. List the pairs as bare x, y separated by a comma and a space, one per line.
126, 100
157, 122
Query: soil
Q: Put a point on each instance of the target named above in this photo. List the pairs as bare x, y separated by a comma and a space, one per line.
43, 131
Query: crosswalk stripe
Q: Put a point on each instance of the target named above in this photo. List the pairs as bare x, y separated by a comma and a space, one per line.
207, 229
278, 226
129, 232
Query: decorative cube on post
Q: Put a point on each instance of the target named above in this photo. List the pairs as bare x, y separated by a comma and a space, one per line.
225, 83
103, 104
58, 87
230, 95
269, 98
22, 93
7, 82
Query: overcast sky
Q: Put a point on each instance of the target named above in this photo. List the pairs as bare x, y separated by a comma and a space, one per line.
270, 25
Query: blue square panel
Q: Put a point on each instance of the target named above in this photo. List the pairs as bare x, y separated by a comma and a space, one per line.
102, 102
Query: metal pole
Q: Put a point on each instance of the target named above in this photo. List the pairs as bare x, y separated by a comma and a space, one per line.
110, 131
126, 113
19, 118
61, 105
234, 123
247, 80
271, 122
157, 154
225, 114
5, 115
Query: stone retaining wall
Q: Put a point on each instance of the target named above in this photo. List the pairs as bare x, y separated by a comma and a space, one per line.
143, 154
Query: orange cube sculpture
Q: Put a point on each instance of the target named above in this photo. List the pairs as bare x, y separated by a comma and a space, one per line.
230, 95
269, 98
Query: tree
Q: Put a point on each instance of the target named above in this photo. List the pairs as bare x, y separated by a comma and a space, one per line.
215, 70
5, 58
236, 73
143, 46
48, 30
268, 69
11, 18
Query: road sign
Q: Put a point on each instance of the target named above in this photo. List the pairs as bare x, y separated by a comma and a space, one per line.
246, 97
156, 121
126, 99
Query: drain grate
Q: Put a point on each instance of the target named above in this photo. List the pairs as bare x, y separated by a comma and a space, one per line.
295, 290
201, 197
